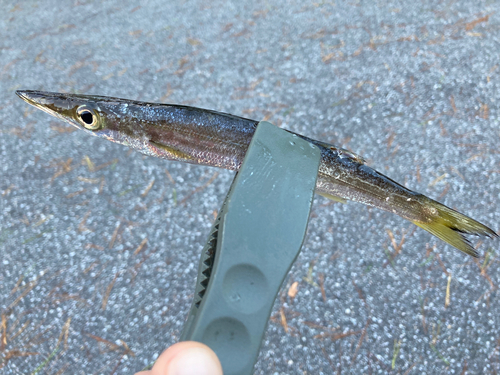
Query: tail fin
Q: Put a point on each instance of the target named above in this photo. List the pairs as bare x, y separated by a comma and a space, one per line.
452, 227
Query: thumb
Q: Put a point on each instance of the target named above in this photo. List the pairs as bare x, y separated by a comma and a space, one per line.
186, 358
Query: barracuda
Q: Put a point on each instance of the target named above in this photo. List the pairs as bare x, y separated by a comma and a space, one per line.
205, 137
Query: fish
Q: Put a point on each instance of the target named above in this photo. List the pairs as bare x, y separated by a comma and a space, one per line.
206, 137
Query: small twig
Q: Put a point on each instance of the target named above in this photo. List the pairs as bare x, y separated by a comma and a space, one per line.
113, 237
322, 286
148, 188
108, 291
283, 319
447, 299
3, 342
395, 353
200, 188
141, 245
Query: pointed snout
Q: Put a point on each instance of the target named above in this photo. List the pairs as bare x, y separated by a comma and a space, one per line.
34, 97
44, 99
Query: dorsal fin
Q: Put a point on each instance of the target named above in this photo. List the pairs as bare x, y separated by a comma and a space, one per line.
343, 153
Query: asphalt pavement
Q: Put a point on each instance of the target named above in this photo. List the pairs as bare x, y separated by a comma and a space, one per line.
99, 245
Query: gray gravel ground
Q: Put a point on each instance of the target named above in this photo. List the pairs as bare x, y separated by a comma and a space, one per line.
412, 86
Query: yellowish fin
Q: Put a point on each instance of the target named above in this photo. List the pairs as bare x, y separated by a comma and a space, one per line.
452, 226
173, 152
333, 197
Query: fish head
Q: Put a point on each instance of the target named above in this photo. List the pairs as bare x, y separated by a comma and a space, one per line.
100, 116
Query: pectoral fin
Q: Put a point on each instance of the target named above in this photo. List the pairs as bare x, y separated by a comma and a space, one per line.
173, 153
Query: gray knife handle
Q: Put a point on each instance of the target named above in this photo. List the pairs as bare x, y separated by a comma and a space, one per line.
252, 245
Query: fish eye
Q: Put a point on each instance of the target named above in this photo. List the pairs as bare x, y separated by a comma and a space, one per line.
87, 117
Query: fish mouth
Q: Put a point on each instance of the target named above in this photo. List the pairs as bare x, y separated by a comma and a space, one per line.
35, 98
54, 104
45, 98
23, 94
